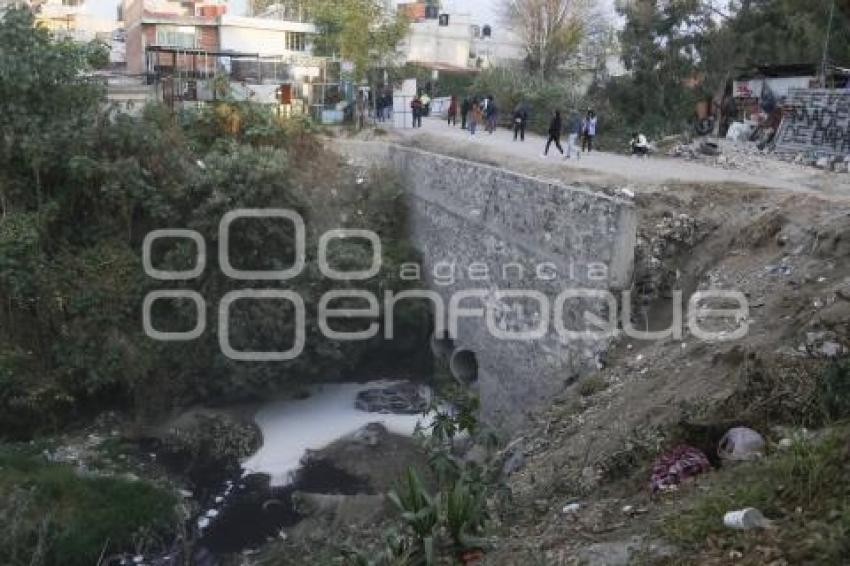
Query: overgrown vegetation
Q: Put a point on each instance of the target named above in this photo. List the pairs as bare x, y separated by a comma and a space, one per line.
446, 526
680, 52
51, 515
80, 188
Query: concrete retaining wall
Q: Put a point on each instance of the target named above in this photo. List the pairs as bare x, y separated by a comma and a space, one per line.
526, 234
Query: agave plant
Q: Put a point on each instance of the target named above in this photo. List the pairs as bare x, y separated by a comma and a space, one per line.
464, 511
418, 510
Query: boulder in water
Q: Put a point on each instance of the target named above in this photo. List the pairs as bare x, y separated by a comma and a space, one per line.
398, 399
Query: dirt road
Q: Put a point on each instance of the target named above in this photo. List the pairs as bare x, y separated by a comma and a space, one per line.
500, 149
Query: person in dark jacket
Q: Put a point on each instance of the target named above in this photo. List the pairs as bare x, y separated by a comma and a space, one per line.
520, 120
453, 111
465, 107
491, 114
416, 108
554, 133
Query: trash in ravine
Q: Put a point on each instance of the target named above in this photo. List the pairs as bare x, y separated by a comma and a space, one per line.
741, 444
675, 466
745, 519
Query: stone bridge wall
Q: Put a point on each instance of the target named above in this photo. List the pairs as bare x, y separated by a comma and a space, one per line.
473, 215
816, 120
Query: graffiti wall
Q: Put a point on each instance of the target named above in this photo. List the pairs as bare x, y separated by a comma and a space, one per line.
816, 120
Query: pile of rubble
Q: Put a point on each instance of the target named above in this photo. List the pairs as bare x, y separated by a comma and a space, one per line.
835, 163
748, 156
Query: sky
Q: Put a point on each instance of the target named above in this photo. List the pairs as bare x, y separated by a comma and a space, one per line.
483, 8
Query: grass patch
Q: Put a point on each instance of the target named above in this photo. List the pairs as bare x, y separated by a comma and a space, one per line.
804, 490
592, 385
51, 515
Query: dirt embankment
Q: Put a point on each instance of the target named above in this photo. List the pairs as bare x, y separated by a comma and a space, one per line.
789, 254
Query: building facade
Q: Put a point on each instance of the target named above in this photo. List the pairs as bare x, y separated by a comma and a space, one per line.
458, 41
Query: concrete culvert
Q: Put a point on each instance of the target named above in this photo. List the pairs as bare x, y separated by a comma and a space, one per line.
464, 366
442, 347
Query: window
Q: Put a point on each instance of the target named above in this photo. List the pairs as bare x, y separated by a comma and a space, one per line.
296, 41
175, 36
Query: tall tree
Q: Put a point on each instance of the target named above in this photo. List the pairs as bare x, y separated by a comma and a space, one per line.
551, 30
364, 32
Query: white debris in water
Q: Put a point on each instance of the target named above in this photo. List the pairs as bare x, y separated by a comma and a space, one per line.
219, 499
203, 523
212, 513
292, 427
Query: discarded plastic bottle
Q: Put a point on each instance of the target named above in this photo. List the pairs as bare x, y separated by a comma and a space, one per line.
745, 519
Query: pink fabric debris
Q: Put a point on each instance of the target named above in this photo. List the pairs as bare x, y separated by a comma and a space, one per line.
676, 465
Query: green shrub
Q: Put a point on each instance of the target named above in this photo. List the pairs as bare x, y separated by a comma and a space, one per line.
51, 515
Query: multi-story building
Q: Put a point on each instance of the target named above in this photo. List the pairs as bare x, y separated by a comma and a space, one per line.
190, 49
71, 19
456, 40
186, 28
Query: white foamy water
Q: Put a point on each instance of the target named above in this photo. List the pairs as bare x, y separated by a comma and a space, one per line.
292, 427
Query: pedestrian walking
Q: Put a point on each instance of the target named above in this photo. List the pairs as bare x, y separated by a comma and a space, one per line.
360, 109
416, 109
588, 131
574, 125
465, 107
491, 115
426, 104
520, 120
475, 117
453, 111
554, 133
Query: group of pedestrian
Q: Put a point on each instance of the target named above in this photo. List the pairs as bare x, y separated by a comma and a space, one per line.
576, 127
474, 112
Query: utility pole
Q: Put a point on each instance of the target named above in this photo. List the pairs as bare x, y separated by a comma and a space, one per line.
825, 57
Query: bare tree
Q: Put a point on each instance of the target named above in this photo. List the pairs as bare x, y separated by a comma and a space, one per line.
552, 30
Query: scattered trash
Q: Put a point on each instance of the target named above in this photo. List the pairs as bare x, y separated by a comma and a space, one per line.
709, 148
676, 465
185, 493
628, 510
745, 519
785, 443
212, 513
741, 444
571, 508
203, 523
778, 269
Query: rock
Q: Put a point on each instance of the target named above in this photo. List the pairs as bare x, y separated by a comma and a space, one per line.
399, 398
513, 463
370, 434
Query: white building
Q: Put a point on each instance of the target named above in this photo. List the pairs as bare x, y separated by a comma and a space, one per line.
461, 42
264, 36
